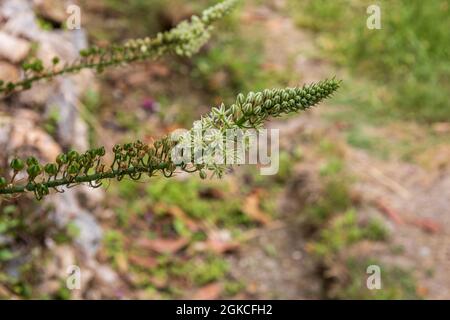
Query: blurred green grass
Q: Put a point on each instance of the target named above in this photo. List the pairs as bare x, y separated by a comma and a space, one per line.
407, 60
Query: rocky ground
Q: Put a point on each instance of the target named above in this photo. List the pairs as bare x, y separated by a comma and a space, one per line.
28, 127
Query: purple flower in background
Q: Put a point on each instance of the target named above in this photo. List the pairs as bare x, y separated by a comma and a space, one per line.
150, 105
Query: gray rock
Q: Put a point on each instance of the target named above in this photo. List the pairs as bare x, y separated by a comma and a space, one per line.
54, 10
13, 49
90, 236
72, 131
8, 72
21, 135
67, 209
20, 20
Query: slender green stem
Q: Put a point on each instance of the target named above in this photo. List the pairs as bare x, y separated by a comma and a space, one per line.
134, 159
81, 179
185, 39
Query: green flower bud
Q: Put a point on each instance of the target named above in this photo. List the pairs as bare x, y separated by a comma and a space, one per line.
61, 159
34, 170
203, 174
250, 97
84, 53
138, 144
277, 99
233, 109
240, 99
247, 109
32, 161
72, 155
131, 153
51, 169
258, 99
151, 152
157, 144
276, 109
128, 146
17, 164
101, 151
73, 169
42, 189
3, 182
141, 154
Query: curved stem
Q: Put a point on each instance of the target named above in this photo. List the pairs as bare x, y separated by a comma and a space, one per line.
81, 179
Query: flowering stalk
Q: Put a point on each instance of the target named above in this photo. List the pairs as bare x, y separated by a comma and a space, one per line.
136, 159
185, 40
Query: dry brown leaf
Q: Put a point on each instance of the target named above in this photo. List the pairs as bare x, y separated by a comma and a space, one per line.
177, 212
159, 282
144, 262
252, 209
218, 242
427, 225
159, 70
220, 247
441, 127
212, 193
209, 292
163, 245
421, 291
388, 211
122, 263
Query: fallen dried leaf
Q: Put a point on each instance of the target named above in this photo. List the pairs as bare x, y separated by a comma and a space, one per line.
252, 209
209, 292
427, 225
421, 291
177, 212
441, 127
143, 262
211, 193
220, 247
391, 213
122, 263
221, 241
163, 245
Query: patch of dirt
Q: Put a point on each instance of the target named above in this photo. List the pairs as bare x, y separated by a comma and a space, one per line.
421, 201
275, 265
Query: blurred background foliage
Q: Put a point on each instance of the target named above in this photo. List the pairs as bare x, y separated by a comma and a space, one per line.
408, 60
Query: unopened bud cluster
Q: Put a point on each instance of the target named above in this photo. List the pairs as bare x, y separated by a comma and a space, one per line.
252, 110
185, 40
135, 159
